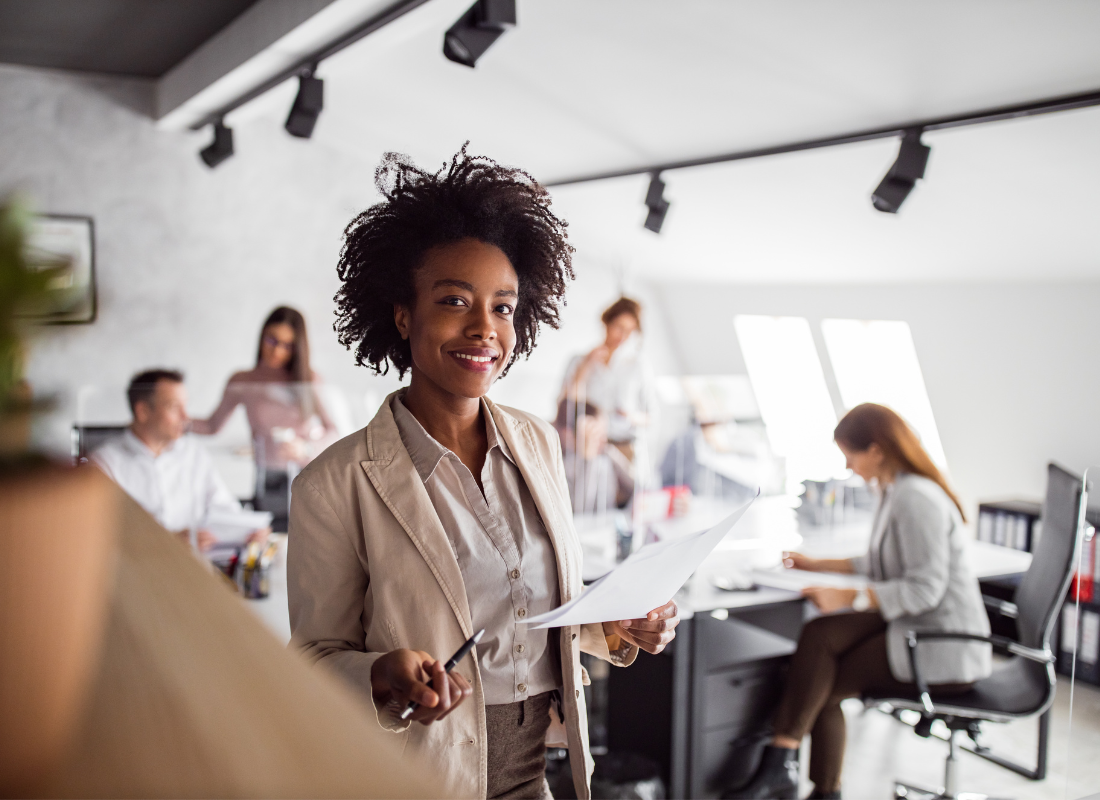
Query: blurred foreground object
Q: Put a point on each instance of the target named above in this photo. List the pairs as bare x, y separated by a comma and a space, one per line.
128, 670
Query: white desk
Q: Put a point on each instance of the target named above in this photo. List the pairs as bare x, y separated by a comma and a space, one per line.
770, 521
725, 669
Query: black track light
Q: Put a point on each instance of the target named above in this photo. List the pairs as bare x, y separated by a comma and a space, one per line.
907, 169
656, 203
476, 30
221, 148
307, 106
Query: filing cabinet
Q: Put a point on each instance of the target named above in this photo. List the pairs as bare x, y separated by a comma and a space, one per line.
701, 709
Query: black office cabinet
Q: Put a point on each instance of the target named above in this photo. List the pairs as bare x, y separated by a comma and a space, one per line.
737, 678
701, 709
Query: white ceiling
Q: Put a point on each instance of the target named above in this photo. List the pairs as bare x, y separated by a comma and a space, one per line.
591, 86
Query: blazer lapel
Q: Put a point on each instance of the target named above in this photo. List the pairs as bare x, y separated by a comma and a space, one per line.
537, 474
394, 477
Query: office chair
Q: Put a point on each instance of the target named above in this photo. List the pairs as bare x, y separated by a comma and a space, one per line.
1024, 685
86, 439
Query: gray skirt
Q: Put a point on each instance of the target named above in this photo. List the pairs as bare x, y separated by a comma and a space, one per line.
516, 741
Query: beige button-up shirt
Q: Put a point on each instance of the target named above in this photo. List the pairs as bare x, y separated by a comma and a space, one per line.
504, 553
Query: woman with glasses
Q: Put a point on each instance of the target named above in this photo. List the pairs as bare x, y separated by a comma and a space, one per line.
289, 423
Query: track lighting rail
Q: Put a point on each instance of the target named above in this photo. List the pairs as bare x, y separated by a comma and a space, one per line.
998, 114
305, 64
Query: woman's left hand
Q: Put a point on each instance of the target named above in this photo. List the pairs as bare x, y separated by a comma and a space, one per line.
830, 599
651, 634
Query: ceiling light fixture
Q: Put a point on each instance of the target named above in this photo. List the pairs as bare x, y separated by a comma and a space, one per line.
307, 105
907, 169
221, 148
656, 203
476, 30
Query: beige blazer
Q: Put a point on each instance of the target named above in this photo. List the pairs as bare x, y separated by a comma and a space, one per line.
370, 569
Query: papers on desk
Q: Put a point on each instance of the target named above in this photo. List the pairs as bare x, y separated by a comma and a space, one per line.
796, 580
233, 526
646, 580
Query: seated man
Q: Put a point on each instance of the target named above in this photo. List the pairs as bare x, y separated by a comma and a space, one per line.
600, 477
161, 466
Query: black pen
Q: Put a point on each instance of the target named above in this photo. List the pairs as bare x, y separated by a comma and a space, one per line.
451, 664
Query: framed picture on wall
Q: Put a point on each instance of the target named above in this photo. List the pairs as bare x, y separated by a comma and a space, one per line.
61, 240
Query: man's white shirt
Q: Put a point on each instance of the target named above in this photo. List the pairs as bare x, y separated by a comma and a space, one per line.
179, 487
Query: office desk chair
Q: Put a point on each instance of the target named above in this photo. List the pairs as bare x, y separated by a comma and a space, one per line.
1024, 685
86, 439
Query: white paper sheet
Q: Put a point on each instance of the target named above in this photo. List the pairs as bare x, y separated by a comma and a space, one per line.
646, 580
235, 526
796, 580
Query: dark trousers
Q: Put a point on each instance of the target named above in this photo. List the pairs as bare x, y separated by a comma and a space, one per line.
838, 656
516, 741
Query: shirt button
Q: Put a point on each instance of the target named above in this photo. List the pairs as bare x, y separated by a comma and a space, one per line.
578, 692
522, 687
521, 613
520, 648
515, 574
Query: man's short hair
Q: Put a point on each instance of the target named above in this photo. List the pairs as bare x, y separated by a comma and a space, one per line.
144, 385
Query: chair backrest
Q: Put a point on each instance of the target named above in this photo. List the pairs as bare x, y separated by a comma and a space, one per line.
1044, 586
89, 438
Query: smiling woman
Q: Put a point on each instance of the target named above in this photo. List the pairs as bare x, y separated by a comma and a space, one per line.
475, 198
450, 514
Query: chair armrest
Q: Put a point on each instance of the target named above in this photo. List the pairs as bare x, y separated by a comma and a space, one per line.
1003, 607
912, 638
1001, 642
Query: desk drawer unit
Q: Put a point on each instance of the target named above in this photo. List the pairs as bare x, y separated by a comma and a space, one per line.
744, 696
739, 705
738, 674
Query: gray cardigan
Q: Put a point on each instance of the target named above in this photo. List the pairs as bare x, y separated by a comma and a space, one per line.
919, 572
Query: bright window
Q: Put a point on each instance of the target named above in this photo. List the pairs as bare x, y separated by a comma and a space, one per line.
790, 390
876, 362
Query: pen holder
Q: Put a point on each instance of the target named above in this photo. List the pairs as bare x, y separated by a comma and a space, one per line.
254, 582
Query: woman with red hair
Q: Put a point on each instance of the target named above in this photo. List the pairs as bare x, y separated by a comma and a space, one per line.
918, 579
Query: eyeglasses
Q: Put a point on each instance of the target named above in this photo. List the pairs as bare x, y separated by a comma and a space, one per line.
271, 341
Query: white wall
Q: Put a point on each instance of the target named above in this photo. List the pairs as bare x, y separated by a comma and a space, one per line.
189, 260
1010, 368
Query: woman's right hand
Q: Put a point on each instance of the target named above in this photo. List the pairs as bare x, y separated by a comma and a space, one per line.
403, 675
799, 561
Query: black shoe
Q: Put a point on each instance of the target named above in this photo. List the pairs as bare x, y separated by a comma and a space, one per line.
816, 795
775, 779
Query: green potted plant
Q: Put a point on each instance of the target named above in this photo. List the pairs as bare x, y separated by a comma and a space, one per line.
23, 290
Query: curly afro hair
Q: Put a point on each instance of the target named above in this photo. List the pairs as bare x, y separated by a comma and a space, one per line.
473, 197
